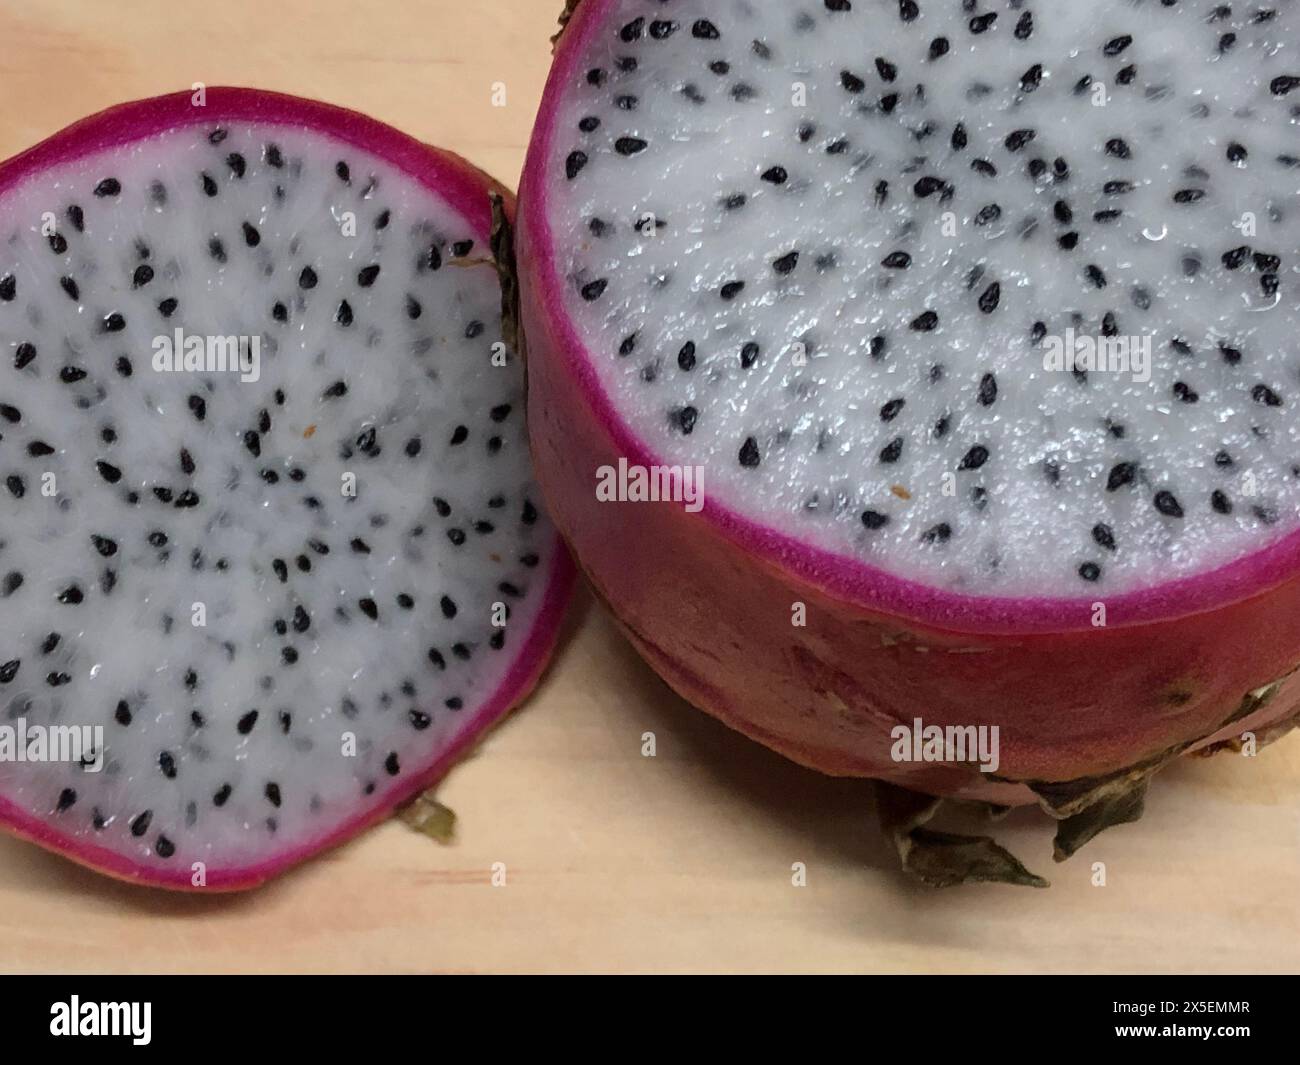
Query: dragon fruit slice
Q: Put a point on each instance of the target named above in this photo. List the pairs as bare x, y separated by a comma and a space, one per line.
976, 324
270, 546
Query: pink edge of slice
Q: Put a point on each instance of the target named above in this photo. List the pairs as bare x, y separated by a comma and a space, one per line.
839, 575
462, 186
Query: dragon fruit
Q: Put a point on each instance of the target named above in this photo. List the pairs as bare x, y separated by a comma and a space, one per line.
960, 336
271, 554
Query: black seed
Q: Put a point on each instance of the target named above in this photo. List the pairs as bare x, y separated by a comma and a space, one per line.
1185, 393
343, 171
113, 323
749, 355
109, 472
937, 534
629, 146
891, 409
731, 290
167, 307
369, 608
459, 435
344, 314
1030, 79
1261, 393
140, 824
939, 48
1233, 259
892, 451
448, 606
16, 485
58, 244
974, 458
897, 260
1236, 153
9, 670
67, 797
1168, 504
1283, 84
222, 794
704, 30
686, 357
873, 519
786, 263
989, 298
1104, 536
1090, 571
574, 163
1220, 502
1266, 262
851, 82
775, 175
1121, 474
51, 642
272, 792
749, 454
1068, 241
167, 763
1116, 45
246, 723
1117, 188
988, 391
925, 322
251, 236
983, 166
1118, 148
1017, 139
1189, 195
1126, 75
1025, 26
108, 187
593, 290
307, 278
1108, 215
8, 288
1095, 276
23, 356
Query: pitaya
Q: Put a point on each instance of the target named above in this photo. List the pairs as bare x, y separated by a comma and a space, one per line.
976, 323
269, 539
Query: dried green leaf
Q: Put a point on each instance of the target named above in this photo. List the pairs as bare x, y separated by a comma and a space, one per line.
944, 859
570, 6
503, 254
430, 818
1115, 808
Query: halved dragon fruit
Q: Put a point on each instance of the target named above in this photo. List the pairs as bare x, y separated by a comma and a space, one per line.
271, 555
976, 325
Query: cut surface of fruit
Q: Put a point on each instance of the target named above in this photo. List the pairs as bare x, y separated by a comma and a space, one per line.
268, 528
837, 254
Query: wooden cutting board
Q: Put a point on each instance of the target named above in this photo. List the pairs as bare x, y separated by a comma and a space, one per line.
614, 861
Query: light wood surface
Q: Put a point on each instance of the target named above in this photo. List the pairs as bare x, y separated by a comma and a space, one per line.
614, 861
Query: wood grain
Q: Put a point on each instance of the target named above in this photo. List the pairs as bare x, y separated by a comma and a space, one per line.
614, 861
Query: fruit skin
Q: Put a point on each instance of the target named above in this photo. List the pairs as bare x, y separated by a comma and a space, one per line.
707, 599
467, 190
